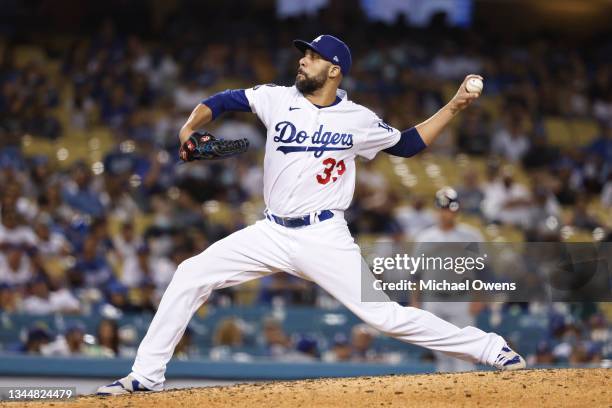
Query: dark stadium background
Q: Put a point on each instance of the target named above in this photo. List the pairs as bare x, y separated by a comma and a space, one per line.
92, 95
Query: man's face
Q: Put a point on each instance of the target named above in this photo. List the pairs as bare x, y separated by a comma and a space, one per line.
447, 217
312, 73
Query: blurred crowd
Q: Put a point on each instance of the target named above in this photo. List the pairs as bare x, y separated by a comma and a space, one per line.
71, 237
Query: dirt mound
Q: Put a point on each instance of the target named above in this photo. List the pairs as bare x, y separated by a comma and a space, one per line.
526, 388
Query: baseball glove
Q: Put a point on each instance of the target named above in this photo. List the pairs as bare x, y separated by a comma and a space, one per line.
204, 146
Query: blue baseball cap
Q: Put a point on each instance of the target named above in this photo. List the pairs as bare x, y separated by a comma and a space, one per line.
331, 48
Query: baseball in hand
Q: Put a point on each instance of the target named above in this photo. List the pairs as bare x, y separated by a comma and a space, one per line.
474, 85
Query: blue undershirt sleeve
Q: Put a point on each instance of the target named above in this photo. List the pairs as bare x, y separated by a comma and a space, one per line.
410, 143
230, 100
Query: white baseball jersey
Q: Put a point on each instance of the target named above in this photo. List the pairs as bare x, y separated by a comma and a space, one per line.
309, 163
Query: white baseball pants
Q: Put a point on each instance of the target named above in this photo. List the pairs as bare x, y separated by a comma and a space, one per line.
323, 252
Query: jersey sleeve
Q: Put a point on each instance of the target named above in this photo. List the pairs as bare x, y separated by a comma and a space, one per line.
379, 136
262, 99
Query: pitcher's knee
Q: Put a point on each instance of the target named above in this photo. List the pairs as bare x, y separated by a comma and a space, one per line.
197, 272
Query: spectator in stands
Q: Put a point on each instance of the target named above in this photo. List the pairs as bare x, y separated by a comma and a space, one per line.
275, 340
15, 265
511, 141
9, 298
602, 145
341, 349
79, 192
306, 349
38, 337
70, 344
13, 230
42, 300
50, 243
149, 296
473, 135
51, 204
117, 296
126, 241
143, 266
108, 338
544, 354
540, 154
416, 218
362, 338
544, 206
286, 289
470, 193
580, 217
568, 185
507, 201
94, 268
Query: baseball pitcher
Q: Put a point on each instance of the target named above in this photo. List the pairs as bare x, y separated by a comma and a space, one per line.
314, 134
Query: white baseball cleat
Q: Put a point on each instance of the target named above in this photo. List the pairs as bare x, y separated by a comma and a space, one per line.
508, 359
126, 385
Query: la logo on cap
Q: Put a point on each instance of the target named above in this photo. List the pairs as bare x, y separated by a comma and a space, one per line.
317, 39
335, 58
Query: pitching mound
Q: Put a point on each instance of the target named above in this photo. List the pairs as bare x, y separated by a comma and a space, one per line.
527, 388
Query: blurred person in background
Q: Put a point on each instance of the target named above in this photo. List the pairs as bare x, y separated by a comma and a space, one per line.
126, 241
275, 340
473, 134
143, 266
511, 141
42, 300
227, 337
507, 201
38, 337
79, 192
50, 243
15, 265
14, 230
306, 349
10, 299
107, 337
362, 338
470, 193
340, 350
95, 269
440, 303
70, 344
580, 217
415, 218
285, 288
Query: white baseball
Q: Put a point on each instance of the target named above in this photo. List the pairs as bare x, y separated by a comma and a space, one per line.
474, 85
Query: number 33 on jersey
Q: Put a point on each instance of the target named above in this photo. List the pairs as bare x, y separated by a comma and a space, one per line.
310, 151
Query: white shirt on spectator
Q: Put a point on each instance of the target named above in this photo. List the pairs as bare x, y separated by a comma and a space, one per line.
22, 235
58, 301
413, 221
127, 249
53, 246
161, 271
15, 277
509, 147
496, 197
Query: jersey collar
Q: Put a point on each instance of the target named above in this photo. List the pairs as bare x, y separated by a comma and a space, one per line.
341, 96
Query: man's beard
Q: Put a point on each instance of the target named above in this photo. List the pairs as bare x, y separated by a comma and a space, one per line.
309, 85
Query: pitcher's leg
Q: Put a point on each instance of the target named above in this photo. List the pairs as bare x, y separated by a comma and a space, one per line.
336, 265
247, 254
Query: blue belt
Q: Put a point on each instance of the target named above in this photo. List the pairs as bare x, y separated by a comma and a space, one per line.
297, 222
